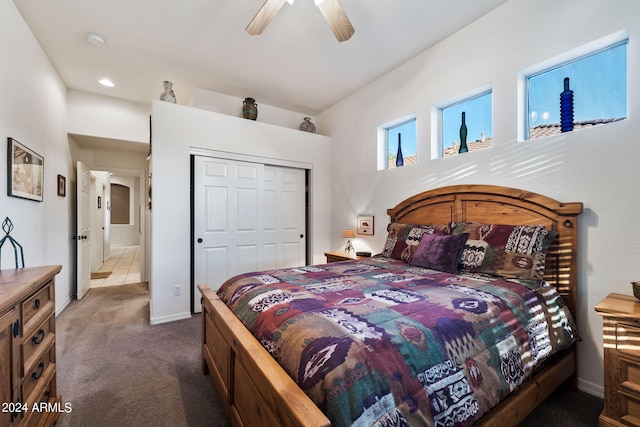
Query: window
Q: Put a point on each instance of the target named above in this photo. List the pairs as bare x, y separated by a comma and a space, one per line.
475, 113
584, 92
402, 133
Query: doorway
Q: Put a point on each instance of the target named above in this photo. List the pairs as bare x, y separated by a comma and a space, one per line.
117, 245
107, 158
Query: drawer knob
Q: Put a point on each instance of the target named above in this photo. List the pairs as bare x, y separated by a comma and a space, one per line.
36, 375
40, 335
36, 303
16, 328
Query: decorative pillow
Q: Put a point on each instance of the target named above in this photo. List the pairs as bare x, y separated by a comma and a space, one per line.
511, 251
403, 239
440, 252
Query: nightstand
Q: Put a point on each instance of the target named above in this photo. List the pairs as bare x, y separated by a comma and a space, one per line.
341, 256
621, 327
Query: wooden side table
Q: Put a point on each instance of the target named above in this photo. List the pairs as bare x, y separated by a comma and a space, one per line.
621, 337
341, 256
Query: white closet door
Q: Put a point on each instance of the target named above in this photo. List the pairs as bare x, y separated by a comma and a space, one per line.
248, 217
285, 216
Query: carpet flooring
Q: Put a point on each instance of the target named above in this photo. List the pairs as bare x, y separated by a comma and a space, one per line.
117, 370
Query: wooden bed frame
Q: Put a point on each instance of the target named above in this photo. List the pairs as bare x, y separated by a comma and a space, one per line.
255, 390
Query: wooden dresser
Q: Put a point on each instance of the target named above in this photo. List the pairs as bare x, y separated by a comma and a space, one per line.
28, 347
621, 336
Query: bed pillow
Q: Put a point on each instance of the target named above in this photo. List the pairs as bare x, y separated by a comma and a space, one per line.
440, 252
403, 239
510, 251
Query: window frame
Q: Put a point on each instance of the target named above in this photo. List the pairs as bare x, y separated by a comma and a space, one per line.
437, 116
383, 139
574, 55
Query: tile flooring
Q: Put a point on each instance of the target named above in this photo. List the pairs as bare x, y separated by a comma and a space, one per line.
124, 265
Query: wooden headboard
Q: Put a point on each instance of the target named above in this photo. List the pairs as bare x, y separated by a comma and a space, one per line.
490, 204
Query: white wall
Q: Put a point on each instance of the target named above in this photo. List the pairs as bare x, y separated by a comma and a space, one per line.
596, 166
95, 115
179, 131
32, 110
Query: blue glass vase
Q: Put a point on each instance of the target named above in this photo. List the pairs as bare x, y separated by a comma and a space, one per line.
566, 108
399, 157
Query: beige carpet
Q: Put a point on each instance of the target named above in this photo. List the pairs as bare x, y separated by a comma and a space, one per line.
117, 370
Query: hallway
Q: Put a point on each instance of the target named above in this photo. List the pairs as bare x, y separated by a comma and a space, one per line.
124, 266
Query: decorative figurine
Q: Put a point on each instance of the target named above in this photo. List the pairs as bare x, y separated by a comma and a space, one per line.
307, 125
168, 94
7, 227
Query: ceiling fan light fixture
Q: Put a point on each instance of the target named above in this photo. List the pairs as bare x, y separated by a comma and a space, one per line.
331, 10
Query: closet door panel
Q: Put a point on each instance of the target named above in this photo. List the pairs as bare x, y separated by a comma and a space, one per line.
247, 217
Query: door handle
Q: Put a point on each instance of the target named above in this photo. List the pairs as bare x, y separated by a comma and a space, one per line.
302, 236
199, 240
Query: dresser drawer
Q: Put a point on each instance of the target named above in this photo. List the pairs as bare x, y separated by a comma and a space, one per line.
628, 339
42, 405
34, 345
40, 374
37, 307
630, 411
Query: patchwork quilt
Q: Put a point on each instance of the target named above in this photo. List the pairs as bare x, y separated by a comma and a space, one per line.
379, 342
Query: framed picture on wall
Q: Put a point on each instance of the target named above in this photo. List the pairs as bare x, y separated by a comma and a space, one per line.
25, 172
365, 224
62, 186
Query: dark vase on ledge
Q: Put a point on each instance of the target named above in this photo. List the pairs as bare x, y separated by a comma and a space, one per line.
249, 109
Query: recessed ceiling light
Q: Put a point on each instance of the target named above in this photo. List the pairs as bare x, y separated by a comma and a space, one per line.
95, 39
106, 82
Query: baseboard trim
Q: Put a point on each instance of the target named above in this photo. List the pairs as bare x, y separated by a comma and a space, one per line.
591, 388
171, 318
61, 307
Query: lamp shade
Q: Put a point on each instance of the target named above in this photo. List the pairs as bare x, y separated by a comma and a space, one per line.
349, 233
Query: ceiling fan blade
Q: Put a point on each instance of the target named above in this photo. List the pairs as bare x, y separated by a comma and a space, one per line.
264, 16
337, 19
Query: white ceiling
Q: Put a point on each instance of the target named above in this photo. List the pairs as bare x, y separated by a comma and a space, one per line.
296, 64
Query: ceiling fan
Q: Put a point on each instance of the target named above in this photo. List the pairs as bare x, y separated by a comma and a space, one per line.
330, 9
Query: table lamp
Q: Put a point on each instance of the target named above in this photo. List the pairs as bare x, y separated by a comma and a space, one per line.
349, 234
